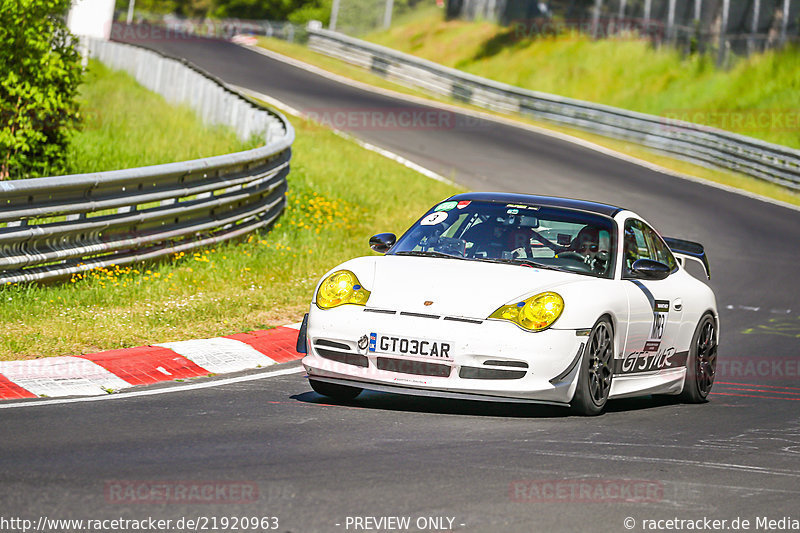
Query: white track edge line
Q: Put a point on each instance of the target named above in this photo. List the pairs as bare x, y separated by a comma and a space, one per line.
510, 122
166, 390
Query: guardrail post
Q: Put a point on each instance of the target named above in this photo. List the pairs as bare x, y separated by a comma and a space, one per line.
598, 5
751, 41
334, 15
387, 14
722, 52
784, 21
671, 22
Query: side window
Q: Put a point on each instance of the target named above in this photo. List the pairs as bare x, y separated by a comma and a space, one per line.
660, 251
635, 246
642, 242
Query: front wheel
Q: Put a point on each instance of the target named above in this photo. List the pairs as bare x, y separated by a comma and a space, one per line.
332, 390
701, 365
597, 371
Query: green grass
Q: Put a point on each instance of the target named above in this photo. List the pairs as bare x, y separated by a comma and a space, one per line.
114, 137
265, 280
759, 96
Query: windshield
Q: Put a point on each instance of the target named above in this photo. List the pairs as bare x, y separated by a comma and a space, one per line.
546, 237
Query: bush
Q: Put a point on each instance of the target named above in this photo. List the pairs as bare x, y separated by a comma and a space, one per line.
39, 77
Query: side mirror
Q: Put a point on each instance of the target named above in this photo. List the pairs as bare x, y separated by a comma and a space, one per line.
382, 242
649, 269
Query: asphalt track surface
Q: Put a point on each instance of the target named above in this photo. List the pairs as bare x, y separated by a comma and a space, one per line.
315, 463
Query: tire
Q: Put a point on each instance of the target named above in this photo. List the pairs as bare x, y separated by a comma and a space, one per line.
596, 372
332, 390
701, 364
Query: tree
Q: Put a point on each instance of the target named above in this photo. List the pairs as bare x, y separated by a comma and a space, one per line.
40, 73
313, 10
254, 9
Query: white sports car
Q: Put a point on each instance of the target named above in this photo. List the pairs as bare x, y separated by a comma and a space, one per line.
516, 298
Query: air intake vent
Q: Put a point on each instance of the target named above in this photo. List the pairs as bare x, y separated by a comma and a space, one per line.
471, 372
346, 358
419, 368
382, 311
497, 362
467, 320
332, 344
419, 315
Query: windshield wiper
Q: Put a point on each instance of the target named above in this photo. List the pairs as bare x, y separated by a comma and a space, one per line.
526, 262
521, 261
428, 253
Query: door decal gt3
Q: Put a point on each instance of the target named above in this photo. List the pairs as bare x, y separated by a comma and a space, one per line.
645, 361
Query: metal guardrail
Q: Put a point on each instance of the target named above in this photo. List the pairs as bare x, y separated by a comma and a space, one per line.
692, 142
57, 226
230, 27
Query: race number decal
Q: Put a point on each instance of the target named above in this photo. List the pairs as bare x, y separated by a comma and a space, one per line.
434, 218
660, 313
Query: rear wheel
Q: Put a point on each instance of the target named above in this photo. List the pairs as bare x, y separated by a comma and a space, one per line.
701, 364
332, 390
597, 371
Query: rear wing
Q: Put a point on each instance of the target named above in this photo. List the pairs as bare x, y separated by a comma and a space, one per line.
688, 251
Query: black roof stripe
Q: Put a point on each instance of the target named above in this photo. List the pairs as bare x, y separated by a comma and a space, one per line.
543, 201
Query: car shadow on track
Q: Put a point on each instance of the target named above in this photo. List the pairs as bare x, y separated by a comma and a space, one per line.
420, 404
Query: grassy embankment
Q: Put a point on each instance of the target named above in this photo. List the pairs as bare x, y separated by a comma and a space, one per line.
127, 126
623, 72
758, 97
263, 282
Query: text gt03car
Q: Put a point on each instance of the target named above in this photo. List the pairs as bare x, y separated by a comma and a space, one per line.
512, 297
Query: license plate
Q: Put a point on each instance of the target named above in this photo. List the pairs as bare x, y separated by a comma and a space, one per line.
397, 345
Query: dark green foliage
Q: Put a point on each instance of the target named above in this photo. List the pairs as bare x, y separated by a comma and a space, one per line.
255, 9
241, 9
40, 73
312, 10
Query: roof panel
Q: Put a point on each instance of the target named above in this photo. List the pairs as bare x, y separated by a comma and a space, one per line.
544, 201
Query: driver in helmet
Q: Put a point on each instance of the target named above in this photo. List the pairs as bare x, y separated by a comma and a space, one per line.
592, 244
586, 243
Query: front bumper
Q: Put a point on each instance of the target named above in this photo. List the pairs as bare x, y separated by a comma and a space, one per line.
488, 360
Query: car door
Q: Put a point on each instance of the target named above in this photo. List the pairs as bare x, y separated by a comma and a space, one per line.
655, 306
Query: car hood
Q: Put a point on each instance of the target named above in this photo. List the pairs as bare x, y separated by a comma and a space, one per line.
471, 289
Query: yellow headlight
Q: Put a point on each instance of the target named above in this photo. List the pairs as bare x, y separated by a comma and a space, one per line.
341, 287
533, 314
